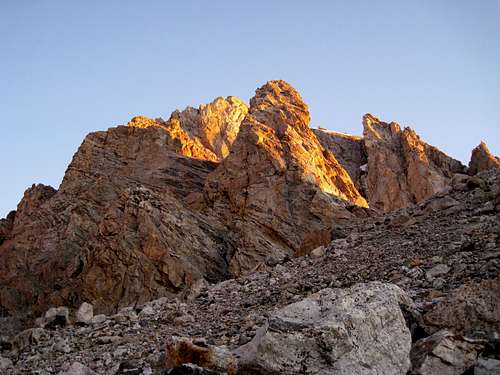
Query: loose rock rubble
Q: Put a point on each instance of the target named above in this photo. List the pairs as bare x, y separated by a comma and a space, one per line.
400, 248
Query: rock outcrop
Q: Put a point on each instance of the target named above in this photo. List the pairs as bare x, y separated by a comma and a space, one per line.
215, 125
482, 159
117, 230
6, 226
349, 151
402, 169
204, 133
279, 183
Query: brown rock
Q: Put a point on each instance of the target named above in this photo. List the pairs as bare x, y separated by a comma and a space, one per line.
275, 169
349, 151
117, 231
482, 159
402, 169
215, 125
6, 226
471, 310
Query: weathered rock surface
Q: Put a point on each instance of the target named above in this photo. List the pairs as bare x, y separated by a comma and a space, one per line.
471, 310
283, 189
215, 125
228, 314
117, 230
402, 169
443, 353
6, 226
360, 330
149, 211
482, 159
487, 366
349, 151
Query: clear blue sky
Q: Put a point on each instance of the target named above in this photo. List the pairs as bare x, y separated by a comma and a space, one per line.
68, 68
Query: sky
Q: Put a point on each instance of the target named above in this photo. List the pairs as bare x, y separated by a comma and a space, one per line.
68, 68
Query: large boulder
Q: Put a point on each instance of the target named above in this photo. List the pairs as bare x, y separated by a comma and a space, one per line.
359, 330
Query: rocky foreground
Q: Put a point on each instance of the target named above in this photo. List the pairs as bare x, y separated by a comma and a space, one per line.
236, 240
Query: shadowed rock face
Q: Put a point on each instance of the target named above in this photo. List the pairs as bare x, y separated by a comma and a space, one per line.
117, 232
279, 179
482, 159
349, 151
402, 169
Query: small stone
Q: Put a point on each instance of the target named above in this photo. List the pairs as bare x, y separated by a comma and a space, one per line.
120, 352
183, 319
62, 346
318, 252
487, 366
438, 270
55, 317
438, 283
5, 363
85, 313
415, 273
109, 340
78, 369
243, 339
146, 311
98, 319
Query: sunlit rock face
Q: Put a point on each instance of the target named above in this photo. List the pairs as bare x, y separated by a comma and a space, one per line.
279, 179
402, 169
215, 125
482, 159
203, 133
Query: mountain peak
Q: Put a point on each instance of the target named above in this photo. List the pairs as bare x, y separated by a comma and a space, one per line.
482, 159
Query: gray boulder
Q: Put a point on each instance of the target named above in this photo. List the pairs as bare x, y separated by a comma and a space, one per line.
487, 366
359, 330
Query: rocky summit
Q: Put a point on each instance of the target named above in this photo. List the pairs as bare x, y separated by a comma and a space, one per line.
235, 239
